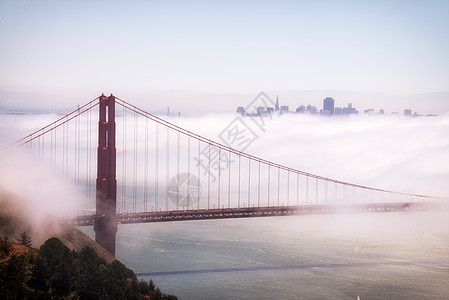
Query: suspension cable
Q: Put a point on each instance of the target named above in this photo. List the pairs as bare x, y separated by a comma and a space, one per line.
255, 158
52, 126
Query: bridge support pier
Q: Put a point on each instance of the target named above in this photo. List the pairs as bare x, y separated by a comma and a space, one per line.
105, 230
105, 222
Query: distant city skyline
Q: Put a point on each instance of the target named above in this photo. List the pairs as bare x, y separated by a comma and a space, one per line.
328, 108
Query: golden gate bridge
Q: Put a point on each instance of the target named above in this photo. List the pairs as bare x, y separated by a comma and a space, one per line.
131, 166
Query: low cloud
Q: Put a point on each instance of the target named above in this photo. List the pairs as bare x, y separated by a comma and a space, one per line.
389, 152
32, 197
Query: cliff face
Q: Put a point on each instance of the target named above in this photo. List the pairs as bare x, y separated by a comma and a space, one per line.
76, 240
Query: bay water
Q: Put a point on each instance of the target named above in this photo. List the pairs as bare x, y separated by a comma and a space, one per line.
374, 255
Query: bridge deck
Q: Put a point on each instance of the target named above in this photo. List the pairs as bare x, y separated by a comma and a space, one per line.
202, 214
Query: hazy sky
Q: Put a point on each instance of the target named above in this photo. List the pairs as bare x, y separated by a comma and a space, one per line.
84, 48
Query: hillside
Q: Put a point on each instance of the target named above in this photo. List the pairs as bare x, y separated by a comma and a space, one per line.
68, 265
56, 272
16, 217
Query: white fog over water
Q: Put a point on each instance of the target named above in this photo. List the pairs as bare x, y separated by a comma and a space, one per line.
396, 153
384, 151
379, 256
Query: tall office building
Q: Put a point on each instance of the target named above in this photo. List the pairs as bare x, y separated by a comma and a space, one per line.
328, 104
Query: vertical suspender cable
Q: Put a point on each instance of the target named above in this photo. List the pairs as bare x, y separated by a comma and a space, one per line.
135, 165
89, 167
77, 167
238, 196
51, 148
325, 193
63, 149
229, 180
297, 189
307, 189
258, 188
55, 145
279, 184
178, 158
67, 150
354, 195
145, 176
335, 193
92, 196
208, 179
219, 178
124, 162
156, 171
188, 173
79, 158
268, 187
249, 182
54, 137
87, 162
288, 188
199, 164
167, 168
76, 164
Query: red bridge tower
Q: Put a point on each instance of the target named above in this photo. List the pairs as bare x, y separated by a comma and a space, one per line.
105, 224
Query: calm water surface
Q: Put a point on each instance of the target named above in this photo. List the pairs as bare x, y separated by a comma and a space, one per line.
379, 256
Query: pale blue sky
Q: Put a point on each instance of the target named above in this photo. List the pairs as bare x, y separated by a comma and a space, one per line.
85, 47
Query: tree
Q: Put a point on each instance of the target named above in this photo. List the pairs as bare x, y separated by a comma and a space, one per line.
24, 239
54, 267
152, 286
40, 278
13, 278
5, 247
92, 276
55, 272
16, 269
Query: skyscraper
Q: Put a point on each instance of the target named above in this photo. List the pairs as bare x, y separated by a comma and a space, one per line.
328, 104
277, 104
